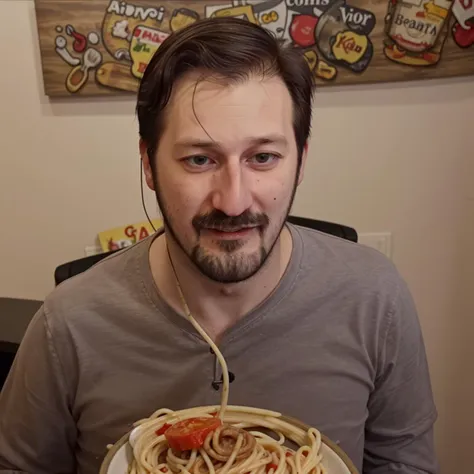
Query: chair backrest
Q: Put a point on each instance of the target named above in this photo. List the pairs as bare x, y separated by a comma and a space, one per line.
15, 315
74, 267
338, 230
69, 269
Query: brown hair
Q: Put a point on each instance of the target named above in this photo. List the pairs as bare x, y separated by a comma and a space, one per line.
229, 48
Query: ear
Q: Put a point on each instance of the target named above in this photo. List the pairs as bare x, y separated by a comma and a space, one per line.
146, 164
303, 163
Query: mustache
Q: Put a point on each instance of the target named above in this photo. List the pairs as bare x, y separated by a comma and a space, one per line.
219, 220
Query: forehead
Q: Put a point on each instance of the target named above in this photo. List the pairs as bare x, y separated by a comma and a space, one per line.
228, 112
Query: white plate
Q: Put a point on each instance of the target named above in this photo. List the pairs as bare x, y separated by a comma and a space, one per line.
334, 459
333, 463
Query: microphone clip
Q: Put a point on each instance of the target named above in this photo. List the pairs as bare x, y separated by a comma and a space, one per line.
217, 383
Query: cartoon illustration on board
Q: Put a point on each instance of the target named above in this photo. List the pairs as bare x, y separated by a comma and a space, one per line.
342, 35
89, 58
416, 31
339, 31
463, 28
332, 34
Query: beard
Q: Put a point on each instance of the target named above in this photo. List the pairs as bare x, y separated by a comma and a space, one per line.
232, 265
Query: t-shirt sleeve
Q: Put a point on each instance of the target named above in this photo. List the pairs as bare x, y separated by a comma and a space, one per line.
37, 430
399, 429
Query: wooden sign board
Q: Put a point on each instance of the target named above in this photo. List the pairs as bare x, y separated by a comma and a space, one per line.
97, 47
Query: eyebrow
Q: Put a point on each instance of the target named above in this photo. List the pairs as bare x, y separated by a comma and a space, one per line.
252, 142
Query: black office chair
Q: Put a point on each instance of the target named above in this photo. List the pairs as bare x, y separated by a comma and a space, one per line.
15, 315
69, 269
338, 230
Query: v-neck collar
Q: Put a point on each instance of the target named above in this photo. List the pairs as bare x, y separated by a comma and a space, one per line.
252, 317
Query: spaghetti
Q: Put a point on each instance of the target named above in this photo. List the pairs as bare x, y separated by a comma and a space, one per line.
222, 439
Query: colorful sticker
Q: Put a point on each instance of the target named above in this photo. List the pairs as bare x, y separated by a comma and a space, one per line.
120, 20
79, 75
463, 28
80, 52
64, 53
127, 235
416, 31
181, 18
145, 41
303, 30
349, 47
342, 36
272, 16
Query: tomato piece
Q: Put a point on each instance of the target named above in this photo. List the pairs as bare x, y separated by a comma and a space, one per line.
271, 466
191, 433
163, 429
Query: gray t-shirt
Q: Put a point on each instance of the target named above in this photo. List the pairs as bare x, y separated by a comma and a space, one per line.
337, 345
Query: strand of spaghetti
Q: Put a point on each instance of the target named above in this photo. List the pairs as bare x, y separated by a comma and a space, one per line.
142, 449
295, 436
281, 458
232, 457
165, 413
208, 339
255, 460
264, 436
156, 414
158, 423
220, 358
192, 459
258, 463
208, 461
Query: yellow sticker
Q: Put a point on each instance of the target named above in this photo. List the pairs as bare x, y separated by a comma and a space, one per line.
245, 12
124, 236
181, 18
145, 41
269, 17
436, 10
312, 59
326, 71
349, 46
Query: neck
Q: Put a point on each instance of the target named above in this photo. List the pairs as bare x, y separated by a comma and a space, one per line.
216, 306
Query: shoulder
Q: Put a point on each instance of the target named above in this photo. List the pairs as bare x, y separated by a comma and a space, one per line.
99, 288
343, 255
359, 290
357, 270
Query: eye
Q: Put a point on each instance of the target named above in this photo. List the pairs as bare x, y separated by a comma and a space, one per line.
197, 161
264, 159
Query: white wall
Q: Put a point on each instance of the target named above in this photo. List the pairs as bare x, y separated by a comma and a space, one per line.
383, 158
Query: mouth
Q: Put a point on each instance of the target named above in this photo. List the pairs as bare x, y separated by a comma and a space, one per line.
230, 233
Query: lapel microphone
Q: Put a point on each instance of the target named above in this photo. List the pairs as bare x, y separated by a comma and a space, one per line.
217, 382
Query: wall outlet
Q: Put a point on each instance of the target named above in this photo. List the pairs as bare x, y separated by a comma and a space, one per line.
381, 241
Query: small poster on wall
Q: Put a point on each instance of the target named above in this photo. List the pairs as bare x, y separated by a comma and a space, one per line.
127, 235
99, 47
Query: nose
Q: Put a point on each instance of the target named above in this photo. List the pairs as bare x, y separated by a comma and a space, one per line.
231, 193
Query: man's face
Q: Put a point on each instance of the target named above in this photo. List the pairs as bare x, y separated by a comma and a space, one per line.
226, 172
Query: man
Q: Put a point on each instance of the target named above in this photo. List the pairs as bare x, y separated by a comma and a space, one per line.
312, 326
